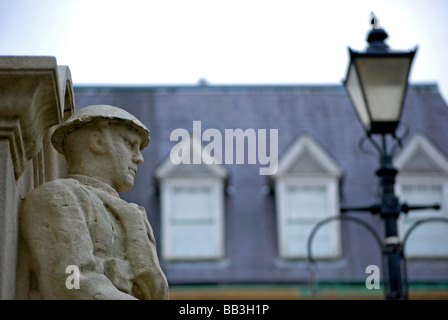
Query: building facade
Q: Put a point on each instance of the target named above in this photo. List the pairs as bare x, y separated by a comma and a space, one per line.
236, 177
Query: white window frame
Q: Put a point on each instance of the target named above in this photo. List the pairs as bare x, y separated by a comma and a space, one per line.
434, 172
326, 173
332, 190
217, 188
423, 179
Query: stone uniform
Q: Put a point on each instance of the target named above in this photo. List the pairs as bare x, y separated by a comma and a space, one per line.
82, 221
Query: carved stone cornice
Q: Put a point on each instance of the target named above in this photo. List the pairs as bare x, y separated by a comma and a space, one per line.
34, 95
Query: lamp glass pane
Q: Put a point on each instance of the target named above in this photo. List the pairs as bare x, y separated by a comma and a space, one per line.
354, 90
384, 80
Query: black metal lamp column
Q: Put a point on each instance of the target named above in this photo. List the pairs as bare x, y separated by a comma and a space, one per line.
376, 84
393, 250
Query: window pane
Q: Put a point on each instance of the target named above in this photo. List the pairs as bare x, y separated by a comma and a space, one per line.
193, 241
297, 237
194, 225
306, 201
191, 202
429, 239
304, 207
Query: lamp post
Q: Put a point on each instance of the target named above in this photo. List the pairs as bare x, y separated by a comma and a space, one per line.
376, 84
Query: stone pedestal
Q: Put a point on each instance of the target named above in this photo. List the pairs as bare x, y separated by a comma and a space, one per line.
35, 95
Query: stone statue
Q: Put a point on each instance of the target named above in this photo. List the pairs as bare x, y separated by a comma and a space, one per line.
78, 238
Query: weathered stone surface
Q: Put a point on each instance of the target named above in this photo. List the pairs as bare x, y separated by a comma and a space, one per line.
35, 94
81, 220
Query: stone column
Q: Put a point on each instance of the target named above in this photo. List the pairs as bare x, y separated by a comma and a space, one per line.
35, 95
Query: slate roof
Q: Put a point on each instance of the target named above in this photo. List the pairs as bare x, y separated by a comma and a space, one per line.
322, 111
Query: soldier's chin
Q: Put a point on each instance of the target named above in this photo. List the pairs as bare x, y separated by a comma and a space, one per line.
126, 184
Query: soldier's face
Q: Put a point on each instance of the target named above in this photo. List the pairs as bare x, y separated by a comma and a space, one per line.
125, 156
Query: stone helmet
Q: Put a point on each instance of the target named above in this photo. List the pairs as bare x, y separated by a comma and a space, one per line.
95, 113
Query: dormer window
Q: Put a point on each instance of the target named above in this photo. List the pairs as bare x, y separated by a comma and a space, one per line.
192, 209
307, 191
423, 180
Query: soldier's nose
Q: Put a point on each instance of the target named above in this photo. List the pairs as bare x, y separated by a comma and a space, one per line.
138, 158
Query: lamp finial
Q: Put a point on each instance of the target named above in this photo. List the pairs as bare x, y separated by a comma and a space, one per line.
374, 21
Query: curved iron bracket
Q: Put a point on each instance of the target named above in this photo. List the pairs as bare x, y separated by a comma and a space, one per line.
362, 223
420, 222
348, 218
372, 231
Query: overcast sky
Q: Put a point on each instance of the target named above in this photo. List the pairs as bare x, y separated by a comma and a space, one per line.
226, 42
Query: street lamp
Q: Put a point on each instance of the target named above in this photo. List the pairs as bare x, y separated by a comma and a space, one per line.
376, 84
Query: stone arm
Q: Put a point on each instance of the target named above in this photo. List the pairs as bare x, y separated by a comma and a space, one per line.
54, 227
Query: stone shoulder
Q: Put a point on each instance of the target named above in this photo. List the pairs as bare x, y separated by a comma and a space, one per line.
54, 187
50, 197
